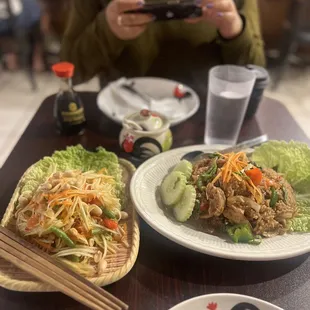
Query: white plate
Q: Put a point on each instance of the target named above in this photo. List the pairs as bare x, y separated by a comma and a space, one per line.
225, 302
144, 194
157, 88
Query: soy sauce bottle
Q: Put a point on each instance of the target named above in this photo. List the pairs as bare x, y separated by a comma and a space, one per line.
68, 107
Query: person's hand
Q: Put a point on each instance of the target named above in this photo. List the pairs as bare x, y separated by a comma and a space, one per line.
126, 26
223, 14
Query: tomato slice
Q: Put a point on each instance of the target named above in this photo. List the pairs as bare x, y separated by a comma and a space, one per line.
32, 221
110, 224
255, 175
204, 207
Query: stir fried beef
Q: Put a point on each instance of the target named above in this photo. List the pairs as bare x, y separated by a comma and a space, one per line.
263, 199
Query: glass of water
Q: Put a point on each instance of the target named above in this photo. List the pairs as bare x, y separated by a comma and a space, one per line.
230, 88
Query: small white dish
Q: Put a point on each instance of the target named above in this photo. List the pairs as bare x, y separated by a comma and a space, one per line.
144, 193
225, 302
116, 103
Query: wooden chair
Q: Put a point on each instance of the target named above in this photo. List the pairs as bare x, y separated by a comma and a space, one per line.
296, 33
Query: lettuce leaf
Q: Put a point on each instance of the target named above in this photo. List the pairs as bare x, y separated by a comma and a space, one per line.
292, 159
74, 157
301, 222
37, 174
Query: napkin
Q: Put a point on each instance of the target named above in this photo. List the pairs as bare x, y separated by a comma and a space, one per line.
124, 102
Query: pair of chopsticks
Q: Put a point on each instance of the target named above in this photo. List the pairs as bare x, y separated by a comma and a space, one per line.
39, 264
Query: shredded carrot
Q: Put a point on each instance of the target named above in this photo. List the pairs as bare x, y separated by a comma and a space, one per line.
226, 168
238, 177
260, 198
234, 164
217, 177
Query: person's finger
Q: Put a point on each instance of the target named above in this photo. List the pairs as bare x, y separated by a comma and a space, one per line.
218, 5
215, 16
127, 5
130, 20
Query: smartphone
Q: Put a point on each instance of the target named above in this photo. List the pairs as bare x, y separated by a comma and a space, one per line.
170, 10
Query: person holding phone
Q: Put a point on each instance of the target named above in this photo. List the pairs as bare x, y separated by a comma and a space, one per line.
102, 37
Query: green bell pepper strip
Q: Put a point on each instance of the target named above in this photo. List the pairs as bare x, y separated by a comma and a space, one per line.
61, 234
240, 233
274, 198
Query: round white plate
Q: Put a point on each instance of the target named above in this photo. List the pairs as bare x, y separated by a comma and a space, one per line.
145, 196
155, 87
225, 302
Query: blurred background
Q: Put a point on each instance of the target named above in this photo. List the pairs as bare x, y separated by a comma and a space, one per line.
28, 50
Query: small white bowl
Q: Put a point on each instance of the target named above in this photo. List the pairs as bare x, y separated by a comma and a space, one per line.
225, 302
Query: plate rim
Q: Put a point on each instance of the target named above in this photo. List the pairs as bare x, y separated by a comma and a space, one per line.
216, 295
172, 123
213, 252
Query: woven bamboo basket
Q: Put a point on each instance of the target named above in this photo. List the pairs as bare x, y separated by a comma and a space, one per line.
119, 264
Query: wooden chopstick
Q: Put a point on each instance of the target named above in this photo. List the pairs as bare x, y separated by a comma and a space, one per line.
64, 278
6, 253
45, 260
25, 263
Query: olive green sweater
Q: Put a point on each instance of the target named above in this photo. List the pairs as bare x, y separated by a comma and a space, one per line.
93, 48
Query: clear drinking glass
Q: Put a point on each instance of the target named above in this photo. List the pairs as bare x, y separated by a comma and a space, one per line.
230, 88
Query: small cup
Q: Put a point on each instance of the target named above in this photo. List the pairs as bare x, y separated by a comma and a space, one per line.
261, 83
145, 134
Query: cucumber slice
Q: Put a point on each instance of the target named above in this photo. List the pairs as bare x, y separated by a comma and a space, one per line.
185, 167
184, 208
172, 187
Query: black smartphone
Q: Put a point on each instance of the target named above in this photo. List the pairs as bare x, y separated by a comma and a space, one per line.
170, 10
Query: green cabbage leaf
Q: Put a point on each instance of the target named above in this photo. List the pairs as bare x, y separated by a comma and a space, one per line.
74, 157
292, 159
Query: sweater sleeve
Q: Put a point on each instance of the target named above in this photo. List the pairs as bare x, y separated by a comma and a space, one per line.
248, 47
88, 41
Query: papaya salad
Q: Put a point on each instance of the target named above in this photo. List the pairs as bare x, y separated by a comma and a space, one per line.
75, 216
228, 193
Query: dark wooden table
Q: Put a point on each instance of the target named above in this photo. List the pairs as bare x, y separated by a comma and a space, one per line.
165, 273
